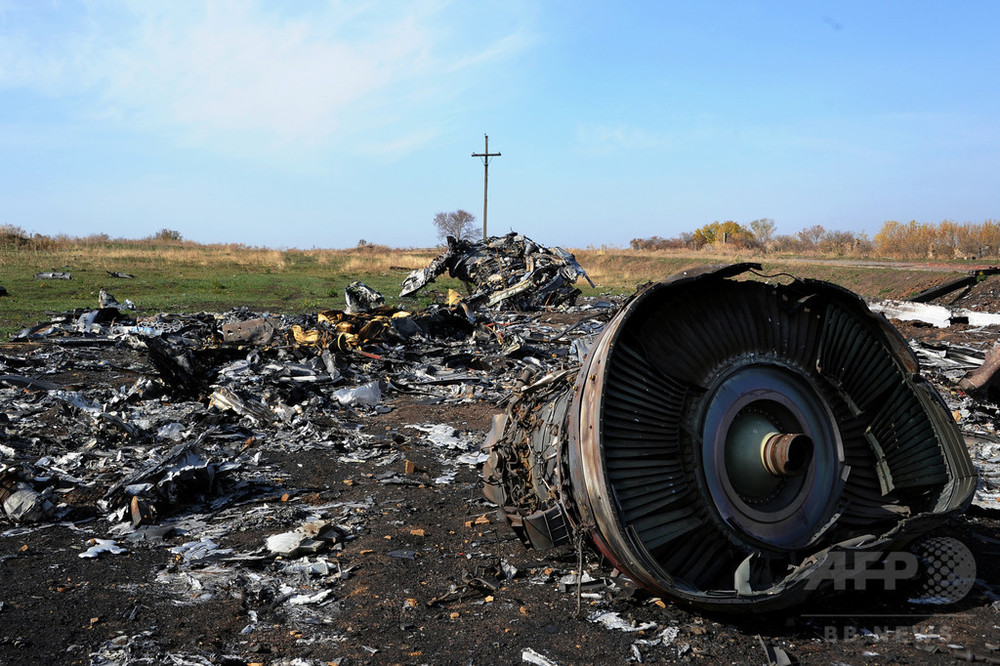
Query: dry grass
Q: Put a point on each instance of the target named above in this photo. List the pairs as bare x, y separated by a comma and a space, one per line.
369, 263
613, 267
363, 260
138, 254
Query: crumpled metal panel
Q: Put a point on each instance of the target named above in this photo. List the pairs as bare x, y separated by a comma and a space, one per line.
361, 298
656, 448
257, 331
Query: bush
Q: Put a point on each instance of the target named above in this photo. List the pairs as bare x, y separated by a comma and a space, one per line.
11, 236
657, 243
168, 236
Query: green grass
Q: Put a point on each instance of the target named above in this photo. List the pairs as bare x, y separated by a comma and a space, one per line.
298, 285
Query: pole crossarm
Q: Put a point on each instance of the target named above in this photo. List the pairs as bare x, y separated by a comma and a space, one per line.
486, 155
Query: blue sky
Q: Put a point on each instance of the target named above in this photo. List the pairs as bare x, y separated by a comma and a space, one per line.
317, 124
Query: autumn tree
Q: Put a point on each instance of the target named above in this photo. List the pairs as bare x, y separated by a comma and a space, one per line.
945, 239
722, 232
763, 230
839, 243
889, 238
459, 224
811, 236
786, 243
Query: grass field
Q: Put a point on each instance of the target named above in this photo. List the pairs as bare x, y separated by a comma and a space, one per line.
187, 277
192, 278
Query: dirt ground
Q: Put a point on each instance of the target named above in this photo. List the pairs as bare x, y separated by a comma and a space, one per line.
429, 575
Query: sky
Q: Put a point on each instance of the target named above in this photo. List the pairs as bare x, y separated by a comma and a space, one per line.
317, 124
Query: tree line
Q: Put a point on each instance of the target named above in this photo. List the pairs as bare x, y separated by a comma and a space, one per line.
912, 240
896, 240
944, 240
760, 236
12, 236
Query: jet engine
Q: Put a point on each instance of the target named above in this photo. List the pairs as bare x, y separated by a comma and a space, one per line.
724, 438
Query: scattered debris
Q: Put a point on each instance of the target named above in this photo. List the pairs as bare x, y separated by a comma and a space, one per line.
311, 538
102, 546
614, 621
167, 441
529, 656
167, 423
21, 502
967, 379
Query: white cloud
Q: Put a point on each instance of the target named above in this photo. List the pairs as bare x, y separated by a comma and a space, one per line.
401, 145
294, 77
597, 138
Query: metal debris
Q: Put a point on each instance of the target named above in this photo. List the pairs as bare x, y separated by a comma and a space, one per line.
985, 376
965, 282
966, 378
530, 656
311, 538
614, 621
774, 655
20, 501
100, 546
106, 300
367, 395
257, 331
361, 298
512, 272
935, 315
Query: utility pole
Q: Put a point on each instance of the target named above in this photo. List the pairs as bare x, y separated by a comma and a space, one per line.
486, 155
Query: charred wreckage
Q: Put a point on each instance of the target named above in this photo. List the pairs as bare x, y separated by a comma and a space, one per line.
717, 439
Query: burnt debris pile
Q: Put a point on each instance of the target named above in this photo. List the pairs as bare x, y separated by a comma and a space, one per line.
177, 400
508, 272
